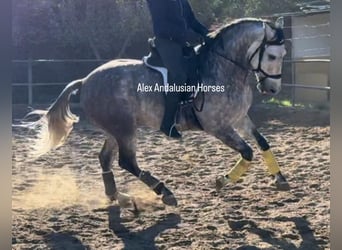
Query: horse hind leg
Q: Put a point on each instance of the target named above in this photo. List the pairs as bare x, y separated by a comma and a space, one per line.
158, 187
127, 161
106, 158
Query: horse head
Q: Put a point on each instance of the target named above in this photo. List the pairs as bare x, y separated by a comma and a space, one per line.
266, 57
253, 44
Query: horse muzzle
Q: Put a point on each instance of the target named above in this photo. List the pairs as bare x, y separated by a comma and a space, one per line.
267, 86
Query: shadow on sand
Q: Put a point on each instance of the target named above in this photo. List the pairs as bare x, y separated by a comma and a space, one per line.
64, 240
302, 225
144, 239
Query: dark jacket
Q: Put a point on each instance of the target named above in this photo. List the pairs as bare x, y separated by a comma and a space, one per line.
174, 19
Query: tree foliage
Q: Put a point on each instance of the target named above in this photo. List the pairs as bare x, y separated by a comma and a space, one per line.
78, 28
110, 28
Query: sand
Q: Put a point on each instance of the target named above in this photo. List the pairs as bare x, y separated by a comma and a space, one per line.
59, 201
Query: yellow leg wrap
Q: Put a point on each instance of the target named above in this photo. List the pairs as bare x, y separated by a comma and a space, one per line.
238, 170
271, 162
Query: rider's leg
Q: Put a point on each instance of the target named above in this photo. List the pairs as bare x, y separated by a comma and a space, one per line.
172, 57
169, 118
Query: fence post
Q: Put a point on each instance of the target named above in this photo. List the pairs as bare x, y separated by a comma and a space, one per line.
293, 80
29, 76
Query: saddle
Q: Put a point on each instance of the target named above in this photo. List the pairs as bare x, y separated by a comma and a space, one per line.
154, 61
186, 105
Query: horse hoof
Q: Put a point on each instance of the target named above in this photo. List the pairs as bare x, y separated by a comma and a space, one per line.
282, 186
169, 200
221, 182
124, 200
281, 183
111, 197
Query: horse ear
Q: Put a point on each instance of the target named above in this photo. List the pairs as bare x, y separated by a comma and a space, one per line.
279, 23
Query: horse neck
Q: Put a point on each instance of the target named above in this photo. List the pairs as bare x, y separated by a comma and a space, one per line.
231, 63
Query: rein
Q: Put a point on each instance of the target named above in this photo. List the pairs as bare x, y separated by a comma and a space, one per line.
231, 60
234, 62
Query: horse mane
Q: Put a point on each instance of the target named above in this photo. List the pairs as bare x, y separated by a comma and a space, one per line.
232, 24
215, 35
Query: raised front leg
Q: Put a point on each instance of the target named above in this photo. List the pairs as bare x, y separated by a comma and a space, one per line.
232, 139
268, 156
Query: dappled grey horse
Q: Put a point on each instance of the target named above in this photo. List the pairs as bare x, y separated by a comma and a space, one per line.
110, 98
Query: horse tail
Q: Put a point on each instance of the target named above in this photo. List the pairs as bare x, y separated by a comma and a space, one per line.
55, 123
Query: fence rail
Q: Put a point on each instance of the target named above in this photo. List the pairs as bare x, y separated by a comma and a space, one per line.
304, 86
30, 63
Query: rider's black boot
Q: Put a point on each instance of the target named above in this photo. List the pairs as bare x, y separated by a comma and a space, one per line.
169, 121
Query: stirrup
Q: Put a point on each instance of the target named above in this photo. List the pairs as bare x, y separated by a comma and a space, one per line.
174, 133
171, 132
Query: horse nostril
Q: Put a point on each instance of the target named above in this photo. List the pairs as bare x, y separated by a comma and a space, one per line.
273, 91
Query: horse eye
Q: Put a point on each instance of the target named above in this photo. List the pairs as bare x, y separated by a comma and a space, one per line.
271, 57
